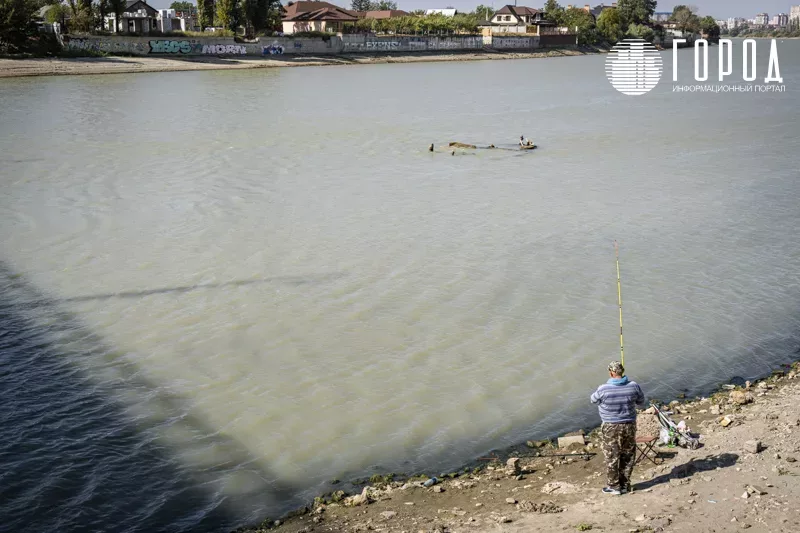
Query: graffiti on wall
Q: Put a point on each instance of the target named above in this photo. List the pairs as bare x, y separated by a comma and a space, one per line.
219, 49
454, 44
171, 47
193, 47
273, 50
511, 42
372, 45
98, 45
82, 44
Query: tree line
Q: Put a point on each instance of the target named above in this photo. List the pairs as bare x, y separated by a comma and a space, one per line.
256, 16
368, 5
18, 17
419, 23
630, 19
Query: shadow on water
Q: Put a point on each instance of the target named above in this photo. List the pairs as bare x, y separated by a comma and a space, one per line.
74, 457
88, 444
284, 280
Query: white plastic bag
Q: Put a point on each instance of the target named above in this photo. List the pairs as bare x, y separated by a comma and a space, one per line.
664, 437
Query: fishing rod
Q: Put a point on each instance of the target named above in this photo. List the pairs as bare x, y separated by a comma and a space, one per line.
536, 456
619, 299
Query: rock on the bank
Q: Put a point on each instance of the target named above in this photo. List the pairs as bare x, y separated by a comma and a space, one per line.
512, 467
360, 499
741, 397
566, 442
753, 446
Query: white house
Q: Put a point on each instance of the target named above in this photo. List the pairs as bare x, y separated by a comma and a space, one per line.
517, 19
517, 16
138, 18
171, 20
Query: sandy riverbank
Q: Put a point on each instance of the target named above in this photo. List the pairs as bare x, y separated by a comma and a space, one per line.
118, 65
728, 484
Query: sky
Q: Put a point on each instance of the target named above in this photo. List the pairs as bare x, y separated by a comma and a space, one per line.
719, 9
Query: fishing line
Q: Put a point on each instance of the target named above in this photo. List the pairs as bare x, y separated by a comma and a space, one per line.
619, 299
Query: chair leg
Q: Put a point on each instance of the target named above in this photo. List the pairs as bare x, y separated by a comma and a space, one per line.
647, 454
643, 452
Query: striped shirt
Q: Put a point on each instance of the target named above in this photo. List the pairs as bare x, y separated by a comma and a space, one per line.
617, 400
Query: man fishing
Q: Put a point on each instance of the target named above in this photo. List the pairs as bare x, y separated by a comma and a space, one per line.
616, 400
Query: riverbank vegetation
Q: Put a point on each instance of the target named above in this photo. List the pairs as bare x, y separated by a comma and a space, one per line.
436, 24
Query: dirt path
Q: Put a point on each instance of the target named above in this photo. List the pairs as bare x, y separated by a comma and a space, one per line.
723, 486
117, 65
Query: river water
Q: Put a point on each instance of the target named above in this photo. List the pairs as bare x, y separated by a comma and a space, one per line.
221, 290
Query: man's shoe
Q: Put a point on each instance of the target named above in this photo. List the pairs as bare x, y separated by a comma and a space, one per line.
611, 490
626, 489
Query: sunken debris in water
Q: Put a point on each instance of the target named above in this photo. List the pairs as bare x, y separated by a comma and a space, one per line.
452, 146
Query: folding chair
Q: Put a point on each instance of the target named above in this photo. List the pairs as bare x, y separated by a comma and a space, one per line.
644, 447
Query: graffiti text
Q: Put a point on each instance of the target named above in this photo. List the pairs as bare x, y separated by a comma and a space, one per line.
224, 49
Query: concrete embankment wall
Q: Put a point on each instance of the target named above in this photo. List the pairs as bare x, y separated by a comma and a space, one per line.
334, 45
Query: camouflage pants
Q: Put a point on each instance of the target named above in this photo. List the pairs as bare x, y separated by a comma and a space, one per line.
619, 449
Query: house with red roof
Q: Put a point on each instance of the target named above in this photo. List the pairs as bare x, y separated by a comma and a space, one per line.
315, 16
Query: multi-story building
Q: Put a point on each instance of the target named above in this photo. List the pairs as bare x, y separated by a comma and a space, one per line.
780, 20
734, 22
794, 13
762, 19
723, 24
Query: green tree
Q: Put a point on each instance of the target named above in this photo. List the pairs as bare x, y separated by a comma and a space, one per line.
685, 19
56, 13
640, 31
360, 5
261, 14
227, 14
465, 23
117, 7
554, 12
710, 27
484, 12
102, 11
583, 21
81, 18
205, 13
577, 17
16, 21
181, 6
636, 11
609, 24
382, 5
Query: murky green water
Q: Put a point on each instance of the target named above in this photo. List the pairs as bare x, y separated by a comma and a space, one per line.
223, 289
